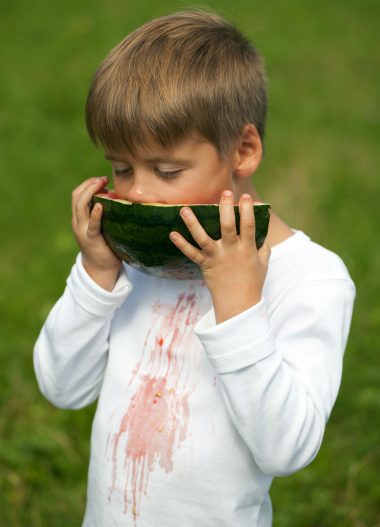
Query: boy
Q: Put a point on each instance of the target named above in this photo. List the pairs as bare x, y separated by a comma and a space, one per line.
207, 388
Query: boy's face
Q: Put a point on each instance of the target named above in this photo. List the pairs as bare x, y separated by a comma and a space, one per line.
191, 172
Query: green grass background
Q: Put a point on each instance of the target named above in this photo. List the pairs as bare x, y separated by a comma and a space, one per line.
321, 174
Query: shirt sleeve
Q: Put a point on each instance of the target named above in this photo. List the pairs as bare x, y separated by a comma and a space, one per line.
70, 354
280, 377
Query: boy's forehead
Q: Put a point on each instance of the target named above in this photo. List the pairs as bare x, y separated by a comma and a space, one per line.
152, 151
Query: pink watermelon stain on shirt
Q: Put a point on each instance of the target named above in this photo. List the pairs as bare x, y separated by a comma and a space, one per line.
156, 420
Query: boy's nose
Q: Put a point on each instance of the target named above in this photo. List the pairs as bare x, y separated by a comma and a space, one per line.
138, 194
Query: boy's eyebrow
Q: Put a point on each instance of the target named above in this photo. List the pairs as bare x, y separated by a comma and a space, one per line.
111, 158
158, 159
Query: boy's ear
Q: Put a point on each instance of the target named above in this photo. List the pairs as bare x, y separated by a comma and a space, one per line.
248, 151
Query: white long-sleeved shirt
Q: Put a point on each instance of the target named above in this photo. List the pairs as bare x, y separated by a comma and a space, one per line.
194, 418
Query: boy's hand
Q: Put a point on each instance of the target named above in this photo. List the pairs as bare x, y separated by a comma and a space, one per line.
99, 261
233, 269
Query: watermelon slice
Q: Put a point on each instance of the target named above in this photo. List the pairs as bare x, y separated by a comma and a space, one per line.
139, 233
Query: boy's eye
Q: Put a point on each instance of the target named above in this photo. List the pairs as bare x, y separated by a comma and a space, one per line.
121, 171
163, 174
168, 174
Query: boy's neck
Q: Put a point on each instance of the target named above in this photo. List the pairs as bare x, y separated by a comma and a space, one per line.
278, 230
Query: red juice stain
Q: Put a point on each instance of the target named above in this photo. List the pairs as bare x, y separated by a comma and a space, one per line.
156, 419
152, 434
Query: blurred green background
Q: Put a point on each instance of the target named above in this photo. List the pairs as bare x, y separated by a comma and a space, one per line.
320, 173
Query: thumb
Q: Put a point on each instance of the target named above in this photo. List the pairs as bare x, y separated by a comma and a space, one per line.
264, 252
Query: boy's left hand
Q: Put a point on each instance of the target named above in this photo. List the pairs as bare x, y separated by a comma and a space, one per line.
233, 269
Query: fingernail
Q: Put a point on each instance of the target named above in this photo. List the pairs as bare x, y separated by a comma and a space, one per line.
227, 193
173, 236
246, 196
186, 211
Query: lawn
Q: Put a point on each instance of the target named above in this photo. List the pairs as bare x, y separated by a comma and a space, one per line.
320, 174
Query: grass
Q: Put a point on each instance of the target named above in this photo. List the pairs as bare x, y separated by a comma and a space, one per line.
320, 174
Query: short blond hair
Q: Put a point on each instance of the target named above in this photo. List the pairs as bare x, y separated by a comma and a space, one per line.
187, 72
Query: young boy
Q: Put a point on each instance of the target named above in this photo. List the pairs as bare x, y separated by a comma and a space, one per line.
206, 389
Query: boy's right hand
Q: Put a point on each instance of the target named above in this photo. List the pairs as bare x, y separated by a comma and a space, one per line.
100, 262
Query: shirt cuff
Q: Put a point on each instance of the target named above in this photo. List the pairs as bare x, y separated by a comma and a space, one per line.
237, 342
93, 298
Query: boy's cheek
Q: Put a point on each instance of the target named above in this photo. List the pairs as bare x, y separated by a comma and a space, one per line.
118, 187
121, 188
176, 195
200, 197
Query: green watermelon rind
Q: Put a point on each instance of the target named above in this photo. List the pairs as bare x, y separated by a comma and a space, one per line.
139, 233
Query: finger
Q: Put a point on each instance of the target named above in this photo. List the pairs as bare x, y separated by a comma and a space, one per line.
264, 253
94, 223
247, 219
76, 193
227, 216
82, 199
196, 230
194, 254
79, 189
